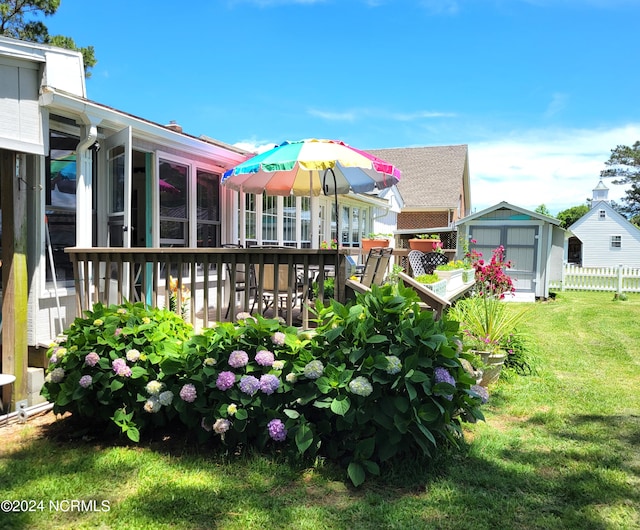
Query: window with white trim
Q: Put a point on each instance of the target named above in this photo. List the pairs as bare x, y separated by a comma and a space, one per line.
602, 214
616, 241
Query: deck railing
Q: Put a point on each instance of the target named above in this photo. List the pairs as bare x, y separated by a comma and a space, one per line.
619, 279
197, 282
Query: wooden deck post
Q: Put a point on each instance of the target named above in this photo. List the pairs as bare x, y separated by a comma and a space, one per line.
14, 272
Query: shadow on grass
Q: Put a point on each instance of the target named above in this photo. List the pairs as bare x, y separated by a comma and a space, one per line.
580, 474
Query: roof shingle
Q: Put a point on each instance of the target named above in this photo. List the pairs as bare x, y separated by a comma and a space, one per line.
432, 177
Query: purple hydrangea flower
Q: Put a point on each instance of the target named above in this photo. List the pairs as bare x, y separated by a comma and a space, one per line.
313, 369
225, 380
238, 359
85, 381
269, 383
265, 358
442, 375
188, 393
482, 392
278, 338
249, 384
277, 430
120, 367
91, 359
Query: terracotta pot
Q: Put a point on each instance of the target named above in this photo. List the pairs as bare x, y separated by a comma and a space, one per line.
368, 244
424, 245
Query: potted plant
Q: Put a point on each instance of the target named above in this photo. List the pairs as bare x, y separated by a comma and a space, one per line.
374, 240
433, 282
452, 272
425, 242
487, 323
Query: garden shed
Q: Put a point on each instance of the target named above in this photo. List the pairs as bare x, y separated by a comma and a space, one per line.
533, 242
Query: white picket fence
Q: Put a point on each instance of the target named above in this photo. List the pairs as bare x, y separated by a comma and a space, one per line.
618, 279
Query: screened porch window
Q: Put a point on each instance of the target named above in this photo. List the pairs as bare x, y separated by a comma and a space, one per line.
174, 193
60, 192
208, 201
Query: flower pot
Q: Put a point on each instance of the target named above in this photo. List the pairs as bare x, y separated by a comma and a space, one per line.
368, 244
453, 277
424, 245
439, 287
493, 366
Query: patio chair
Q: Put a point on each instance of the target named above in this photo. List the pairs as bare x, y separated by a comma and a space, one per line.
285, 291
375, 268
415, 261
244, 279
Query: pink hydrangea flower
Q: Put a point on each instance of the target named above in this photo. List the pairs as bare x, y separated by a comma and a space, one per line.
91, 359
120, 367
188, 393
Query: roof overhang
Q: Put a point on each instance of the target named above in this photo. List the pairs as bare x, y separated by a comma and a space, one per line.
88, 112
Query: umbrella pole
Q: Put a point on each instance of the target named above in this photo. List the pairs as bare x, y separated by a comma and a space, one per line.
325, 189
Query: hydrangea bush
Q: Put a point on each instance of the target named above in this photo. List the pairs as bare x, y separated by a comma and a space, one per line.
377, 379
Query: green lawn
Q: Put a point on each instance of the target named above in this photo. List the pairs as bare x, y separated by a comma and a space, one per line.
559, 449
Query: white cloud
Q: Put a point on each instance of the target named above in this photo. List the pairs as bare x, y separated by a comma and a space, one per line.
556, 168
254, 146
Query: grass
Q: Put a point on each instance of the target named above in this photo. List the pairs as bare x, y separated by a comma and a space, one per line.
560, 450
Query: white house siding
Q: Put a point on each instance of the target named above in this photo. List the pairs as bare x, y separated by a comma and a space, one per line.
20, 128
595, 234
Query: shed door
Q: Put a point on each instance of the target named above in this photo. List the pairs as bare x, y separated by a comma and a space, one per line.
520, 243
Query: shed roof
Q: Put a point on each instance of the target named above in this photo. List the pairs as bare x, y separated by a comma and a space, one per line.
526, 214
432, 177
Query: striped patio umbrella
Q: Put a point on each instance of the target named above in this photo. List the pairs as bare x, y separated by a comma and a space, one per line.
311, 167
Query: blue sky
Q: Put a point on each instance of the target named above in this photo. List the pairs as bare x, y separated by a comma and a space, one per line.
540, 90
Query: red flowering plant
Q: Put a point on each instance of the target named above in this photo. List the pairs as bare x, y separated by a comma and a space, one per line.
491, 278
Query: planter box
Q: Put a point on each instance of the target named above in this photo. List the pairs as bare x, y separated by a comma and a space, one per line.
424, 245
453, 277
439, 287
468, 275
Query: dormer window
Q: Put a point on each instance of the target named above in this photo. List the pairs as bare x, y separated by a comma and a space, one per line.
602, 214
616, 241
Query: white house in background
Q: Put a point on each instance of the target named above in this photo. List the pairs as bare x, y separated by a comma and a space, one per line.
603, 237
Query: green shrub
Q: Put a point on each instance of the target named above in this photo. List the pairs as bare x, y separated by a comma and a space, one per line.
378, 379
100, 369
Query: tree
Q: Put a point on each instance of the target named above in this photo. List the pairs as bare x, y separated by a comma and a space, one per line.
624, 167
543, 210
18, 20
571, 215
